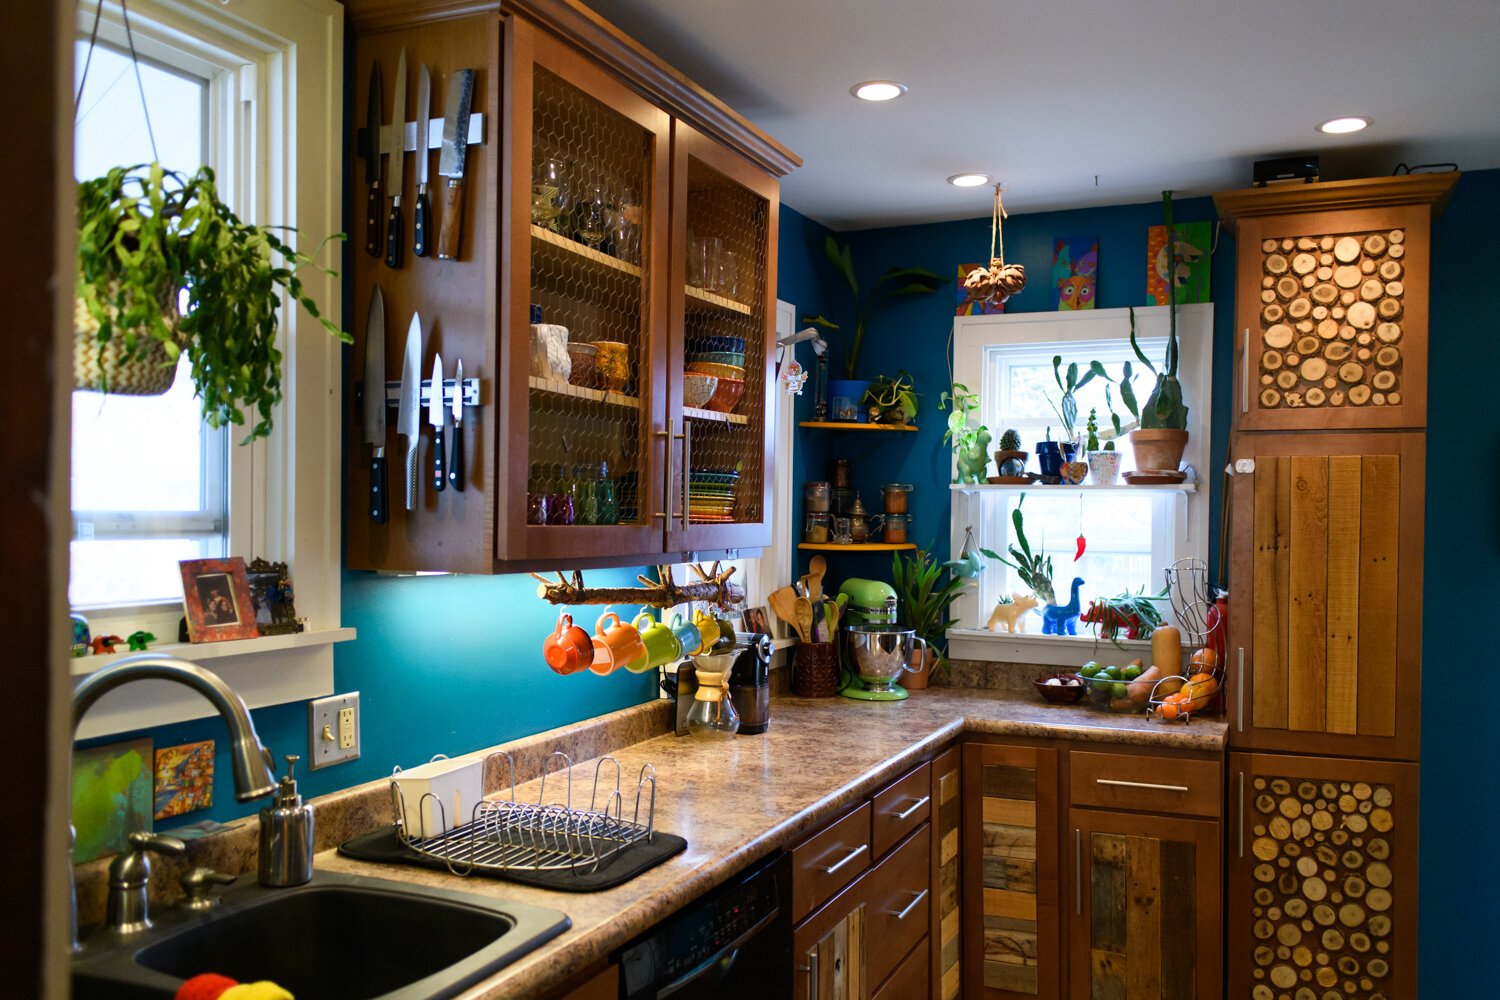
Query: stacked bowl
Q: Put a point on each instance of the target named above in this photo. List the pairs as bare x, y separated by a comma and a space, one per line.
722, 360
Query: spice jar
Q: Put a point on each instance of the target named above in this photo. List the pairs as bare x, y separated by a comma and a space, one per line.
816, 497
816, 528
895, 528
839, 473
896, 496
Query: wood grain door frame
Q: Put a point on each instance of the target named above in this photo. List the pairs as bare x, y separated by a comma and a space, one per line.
1410, 447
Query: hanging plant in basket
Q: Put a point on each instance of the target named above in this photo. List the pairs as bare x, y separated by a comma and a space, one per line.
166, 269
1000, 280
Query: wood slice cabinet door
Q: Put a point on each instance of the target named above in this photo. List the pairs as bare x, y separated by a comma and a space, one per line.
944, 935
829, 951
1145, 912
1011, 879
1322, 886
1326, 608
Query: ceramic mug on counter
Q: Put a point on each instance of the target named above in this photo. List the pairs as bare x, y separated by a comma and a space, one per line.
569, 649
688, 636
616, 644
661, 644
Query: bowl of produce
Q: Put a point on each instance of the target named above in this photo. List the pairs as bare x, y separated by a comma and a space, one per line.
1060, 689
1119, 688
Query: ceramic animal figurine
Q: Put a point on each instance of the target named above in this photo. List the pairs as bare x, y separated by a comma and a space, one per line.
1111, 619
973, 458
139, 641
1012, 613
1062, 619
105, 644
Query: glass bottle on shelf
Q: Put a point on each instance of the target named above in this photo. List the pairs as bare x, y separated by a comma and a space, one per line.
537, 500
560, 508
585, 503
606, 497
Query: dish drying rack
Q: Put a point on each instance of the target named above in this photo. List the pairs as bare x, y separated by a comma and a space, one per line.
504, 835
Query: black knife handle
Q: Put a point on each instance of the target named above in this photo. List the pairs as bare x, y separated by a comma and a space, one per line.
456, 465
439, 478
421, 214
393, 235
372, 220
380, 490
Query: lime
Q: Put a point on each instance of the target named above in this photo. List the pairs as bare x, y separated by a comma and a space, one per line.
1119, 691
1132, 672
1114, 673
1088, 670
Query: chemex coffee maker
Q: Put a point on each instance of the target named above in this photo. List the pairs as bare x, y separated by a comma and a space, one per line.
740, 667
875, 649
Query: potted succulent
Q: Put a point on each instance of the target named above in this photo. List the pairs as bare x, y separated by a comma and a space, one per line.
165, 269
1010, 460
969, 441
1104, 462
895, 282
891, 400
925, 590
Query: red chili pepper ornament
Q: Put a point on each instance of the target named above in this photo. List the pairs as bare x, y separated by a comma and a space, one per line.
1082, 544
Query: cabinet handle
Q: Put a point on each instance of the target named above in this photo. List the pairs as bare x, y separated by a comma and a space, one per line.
829, 870
687, 466
1241, 816
916, 901
1245, 375
1140, 784
666, 476
914, 807
1077, 871
1239, 690
812, 974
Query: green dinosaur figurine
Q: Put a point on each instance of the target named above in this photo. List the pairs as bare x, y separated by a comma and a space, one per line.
136, 641
974, 457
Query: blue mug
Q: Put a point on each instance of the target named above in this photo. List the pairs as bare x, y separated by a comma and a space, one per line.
688, 636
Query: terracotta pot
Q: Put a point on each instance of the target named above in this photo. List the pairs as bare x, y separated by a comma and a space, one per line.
1158, 448
919, 680
1018, 458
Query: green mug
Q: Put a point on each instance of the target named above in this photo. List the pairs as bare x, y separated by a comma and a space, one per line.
662, 646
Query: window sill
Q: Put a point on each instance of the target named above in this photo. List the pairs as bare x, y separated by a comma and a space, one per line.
82, 666
1185, 487
1043, 650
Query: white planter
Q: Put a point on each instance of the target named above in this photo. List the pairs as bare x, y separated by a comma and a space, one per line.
1104, 467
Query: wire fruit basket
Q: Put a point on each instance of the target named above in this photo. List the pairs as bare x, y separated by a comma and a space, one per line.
1177, 697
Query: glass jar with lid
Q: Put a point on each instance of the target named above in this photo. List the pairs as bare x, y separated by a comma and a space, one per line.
817, 528
816, 497
896, 528
896, 496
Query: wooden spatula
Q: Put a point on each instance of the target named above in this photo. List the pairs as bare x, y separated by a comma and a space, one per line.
804, 613
816, 568
783, 602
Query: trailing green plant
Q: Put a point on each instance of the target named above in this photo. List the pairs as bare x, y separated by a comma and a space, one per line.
1034, 568
964, 402
1111, 615
925, 590
896, 282
148, 236
1164, 406
1010, 440
893, 399
1066, 408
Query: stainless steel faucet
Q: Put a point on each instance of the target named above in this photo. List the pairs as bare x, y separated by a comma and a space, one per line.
254, 776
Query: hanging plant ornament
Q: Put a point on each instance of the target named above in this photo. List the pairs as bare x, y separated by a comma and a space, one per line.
967, 566
999, 281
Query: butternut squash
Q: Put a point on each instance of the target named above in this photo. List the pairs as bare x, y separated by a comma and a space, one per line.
1166, 649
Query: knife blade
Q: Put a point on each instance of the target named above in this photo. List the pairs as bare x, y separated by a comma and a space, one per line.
374, 407
456, 464
408, 419
372, 150
451, 162
397, 149
437, 413
422, 213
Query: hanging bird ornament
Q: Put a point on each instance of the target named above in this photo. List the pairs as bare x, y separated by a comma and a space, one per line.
968, 564
999, 281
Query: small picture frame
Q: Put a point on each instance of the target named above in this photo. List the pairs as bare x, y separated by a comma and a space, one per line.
271, 594
756, 621
216, 597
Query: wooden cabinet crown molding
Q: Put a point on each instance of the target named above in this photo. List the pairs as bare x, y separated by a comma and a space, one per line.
365, 16
1327, 196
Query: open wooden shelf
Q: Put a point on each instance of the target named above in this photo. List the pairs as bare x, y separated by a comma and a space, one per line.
713, 300
714, 416
841, 425
586, 253
1064, 488
579, 392
862, 547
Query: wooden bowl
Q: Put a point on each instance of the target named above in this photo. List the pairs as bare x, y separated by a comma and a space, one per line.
1060, 694
727, 396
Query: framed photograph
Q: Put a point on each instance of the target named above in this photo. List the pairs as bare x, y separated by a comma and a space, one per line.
756, 621
271, 594
216, 596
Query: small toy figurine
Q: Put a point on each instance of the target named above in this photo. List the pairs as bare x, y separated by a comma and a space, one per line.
105, 644
1062, 619
973, 459
81, 635
795, 377
137, 641
1011, 613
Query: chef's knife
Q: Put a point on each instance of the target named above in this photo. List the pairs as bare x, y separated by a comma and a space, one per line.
393, 237
375, 408
436, 414
372, 150
456, 464
408, 419
422, 214
451, 162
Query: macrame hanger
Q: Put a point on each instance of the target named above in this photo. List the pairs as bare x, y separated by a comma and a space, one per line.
997, 216
135, 63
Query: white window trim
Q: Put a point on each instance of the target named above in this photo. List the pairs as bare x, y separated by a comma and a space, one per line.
276, 76
1188, 509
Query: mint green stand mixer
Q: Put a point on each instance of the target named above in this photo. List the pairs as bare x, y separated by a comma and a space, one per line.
875, 650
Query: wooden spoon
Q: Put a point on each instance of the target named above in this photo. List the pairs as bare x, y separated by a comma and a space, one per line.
804, 614
817, 566
783, 601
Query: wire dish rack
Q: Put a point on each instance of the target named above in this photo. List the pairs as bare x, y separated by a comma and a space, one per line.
503, 835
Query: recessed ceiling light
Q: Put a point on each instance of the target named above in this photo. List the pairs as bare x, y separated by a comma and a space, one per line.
969, 180
1338, 126
878, 90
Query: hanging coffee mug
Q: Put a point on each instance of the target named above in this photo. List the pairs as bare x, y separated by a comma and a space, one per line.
688, 636
569, 649
616, 644
661, 645
708, 628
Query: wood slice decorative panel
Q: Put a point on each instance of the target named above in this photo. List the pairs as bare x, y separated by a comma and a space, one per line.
947, 918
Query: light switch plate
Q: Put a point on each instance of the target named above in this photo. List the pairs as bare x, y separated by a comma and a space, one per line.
333, 729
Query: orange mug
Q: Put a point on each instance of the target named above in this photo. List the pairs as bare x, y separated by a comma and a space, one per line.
616, 644
569, 649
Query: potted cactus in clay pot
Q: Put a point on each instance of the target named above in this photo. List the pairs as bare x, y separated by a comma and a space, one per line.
1010, 460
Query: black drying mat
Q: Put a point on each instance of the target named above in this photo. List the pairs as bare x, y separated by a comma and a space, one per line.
385, 847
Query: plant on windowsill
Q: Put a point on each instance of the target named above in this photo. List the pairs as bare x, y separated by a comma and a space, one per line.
165, 269
1010, 460
892, 400
1104, 462
923, 598
969, 441
1034, 568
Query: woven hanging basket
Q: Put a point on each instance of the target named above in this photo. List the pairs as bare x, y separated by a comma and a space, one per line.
105, 368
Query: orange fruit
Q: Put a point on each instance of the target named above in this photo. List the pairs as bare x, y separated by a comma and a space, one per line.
1206, 657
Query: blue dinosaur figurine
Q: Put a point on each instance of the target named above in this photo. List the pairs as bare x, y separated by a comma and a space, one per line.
1062, 619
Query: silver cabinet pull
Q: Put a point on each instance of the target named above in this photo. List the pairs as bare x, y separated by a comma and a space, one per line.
916, 901
1077, 871
914, 807
830, 869
687, 473
811, 968
666, 486
1239, 687
1245, 375
1242, 814
1140, 784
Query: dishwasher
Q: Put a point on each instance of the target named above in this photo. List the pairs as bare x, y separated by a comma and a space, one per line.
734, 942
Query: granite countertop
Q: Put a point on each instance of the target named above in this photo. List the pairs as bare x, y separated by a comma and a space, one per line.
736, 800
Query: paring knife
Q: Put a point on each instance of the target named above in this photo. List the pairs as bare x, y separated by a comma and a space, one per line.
397, 149
456, 464
437, 413
451, 162
422, 214
372, 150
408, 419
374, 408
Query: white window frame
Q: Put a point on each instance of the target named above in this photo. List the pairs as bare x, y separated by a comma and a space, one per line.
1180, 518
275, 138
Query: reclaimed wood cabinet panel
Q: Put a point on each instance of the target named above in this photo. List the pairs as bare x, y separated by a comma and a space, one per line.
945, 934
1322, 879
829, 950
1011, 877
1327, 563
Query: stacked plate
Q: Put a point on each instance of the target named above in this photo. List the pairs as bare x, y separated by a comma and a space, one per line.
711, 496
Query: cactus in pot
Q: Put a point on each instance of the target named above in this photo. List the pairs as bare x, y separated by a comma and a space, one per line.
1010, 460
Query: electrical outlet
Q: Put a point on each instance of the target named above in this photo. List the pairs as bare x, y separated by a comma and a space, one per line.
333, 729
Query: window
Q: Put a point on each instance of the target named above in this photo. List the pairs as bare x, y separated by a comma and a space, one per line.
1132, 534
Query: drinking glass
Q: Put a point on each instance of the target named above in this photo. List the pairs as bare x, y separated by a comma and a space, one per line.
593, 217
550, 196
727, 276
703, 261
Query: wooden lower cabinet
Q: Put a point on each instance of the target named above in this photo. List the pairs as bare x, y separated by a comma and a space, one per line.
945, 931
910, 978
1146, 910
829, 949
1322, 880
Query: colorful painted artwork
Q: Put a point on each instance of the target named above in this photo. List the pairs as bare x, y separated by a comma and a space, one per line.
111, 797
184, 778
1194, 240
1075, 271
967, 305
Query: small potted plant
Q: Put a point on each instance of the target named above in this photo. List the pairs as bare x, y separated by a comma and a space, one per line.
165, 269
925, 590
969, 441
891, 400
1010, 460
1104, 462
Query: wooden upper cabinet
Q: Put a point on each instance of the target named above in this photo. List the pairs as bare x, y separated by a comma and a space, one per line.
1331, 302
1325, 651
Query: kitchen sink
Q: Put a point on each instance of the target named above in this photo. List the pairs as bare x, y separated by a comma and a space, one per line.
339, 936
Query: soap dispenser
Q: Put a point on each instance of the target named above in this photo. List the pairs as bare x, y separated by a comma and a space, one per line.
286, 835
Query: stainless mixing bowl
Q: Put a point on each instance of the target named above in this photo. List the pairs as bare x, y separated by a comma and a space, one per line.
881, 654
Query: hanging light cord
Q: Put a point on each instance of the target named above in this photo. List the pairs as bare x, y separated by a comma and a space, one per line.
134, 62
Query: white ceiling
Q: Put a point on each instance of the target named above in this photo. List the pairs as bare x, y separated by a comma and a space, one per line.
1076, 103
